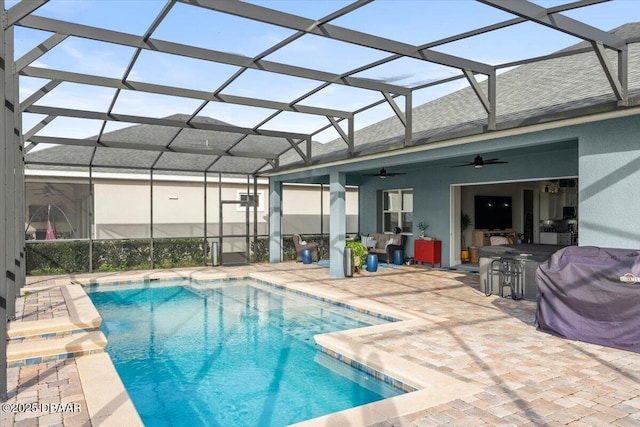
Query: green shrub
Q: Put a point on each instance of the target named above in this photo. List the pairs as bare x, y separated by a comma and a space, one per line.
57, 257
114, 255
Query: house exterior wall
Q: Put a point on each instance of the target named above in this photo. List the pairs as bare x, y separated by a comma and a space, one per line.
609, 182
604, 155
432, 195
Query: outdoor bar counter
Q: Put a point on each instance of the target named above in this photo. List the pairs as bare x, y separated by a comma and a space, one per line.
525, 258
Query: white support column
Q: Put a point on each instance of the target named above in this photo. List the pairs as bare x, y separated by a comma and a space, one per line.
337, 223
275, 221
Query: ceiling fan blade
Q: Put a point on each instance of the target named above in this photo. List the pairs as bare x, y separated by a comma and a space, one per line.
464, 164
490, 162
383, 173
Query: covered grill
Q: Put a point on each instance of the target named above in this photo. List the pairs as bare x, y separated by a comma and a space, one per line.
591, 294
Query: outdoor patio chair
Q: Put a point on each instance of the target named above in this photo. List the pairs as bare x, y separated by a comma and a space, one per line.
301, 245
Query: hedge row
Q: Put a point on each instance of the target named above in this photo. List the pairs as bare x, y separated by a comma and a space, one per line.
113, 255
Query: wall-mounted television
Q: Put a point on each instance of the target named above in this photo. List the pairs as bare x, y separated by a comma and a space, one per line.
493, 212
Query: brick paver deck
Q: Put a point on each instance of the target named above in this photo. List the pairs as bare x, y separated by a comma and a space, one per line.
527, 377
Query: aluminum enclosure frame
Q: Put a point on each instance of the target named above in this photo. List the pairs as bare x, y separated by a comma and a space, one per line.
23, 14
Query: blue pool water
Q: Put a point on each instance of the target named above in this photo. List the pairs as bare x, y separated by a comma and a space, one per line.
232, 354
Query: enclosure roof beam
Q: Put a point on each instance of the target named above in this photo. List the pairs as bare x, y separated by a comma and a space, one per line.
131, 40
145, 147
39, 93
295, 22
39, 50
557, 21
44, 122
618, 89
395, 108
47, 73
95, 115
302, 155
478, 90
22, 9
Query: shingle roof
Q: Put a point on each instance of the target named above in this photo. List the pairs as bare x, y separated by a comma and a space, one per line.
539, 91
169, 161
526, 94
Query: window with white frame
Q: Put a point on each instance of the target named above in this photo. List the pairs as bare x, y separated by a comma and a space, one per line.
397, 210
251, 200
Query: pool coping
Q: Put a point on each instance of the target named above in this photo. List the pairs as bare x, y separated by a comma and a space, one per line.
431, 387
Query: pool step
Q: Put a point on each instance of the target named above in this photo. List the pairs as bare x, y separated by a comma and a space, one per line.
31, 352
82, 317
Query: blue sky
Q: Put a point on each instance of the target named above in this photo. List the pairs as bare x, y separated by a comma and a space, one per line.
415, 22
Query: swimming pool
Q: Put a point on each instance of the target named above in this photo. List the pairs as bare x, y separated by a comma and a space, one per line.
236, 353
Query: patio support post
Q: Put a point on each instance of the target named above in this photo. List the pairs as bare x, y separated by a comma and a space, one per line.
492, 120
408, 112
204, 225
247, 228
321, 211
337, 223
151, 219
275, 220
255, 212
4, 280
90, 213
11, 165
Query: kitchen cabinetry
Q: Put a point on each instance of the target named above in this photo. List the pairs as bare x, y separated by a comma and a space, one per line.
551, 206
428, 251
570, 197
555, 238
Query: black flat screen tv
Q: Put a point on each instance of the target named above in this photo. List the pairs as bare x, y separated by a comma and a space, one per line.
493, 212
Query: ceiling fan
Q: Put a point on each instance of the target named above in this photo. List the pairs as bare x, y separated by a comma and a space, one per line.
479, 162
383, 173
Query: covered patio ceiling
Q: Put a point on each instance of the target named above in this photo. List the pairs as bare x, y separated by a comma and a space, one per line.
191, 104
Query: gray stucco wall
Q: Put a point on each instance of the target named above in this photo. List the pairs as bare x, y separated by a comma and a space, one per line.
605, 156
432, 186
609, 188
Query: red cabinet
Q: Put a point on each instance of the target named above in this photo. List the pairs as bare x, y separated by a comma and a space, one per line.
428, 251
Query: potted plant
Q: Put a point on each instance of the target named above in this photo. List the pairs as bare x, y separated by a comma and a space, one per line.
465, 222
358, 254
422, 226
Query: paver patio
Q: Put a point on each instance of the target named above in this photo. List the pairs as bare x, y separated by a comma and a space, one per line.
526, 377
